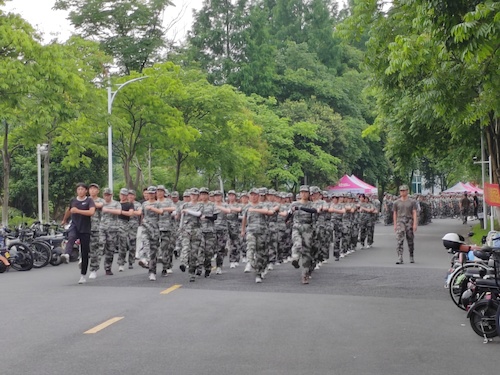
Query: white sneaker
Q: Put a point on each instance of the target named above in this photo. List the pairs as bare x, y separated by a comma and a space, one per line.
285, 260
248, 268
82, 280
317, 266
245, 260
258, 279
170, 271
93, 275
121, 269
368, 246
342, 255
218, 271
65, 258
264, 274
270, 267
232, 265
236, 264
152, 277
325, 261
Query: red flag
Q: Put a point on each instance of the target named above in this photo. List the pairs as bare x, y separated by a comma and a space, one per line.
492, 194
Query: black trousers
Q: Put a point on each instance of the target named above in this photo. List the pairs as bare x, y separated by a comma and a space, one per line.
84, 238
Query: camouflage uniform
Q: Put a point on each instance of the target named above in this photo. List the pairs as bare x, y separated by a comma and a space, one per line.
150, 233
166, 225
221, 235
320, 250
108, 235
404, 226
191, 237
281, 227
234, 229
302, 236
365, 222
207, 245
257, 252
346, 228
133, 225
95, 247
337, 229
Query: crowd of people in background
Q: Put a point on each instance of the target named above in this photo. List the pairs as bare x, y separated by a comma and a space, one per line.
438, 207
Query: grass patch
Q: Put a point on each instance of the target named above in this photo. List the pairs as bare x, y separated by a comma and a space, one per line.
479, 232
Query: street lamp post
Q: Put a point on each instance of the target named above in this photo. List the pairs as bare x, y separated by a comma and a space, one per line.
41, 149
111, 98
483, 162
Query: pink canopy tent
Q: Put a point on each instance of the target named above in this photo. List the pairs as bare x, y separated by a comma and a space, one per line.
349, 185
373, 189
460, 187
473, 188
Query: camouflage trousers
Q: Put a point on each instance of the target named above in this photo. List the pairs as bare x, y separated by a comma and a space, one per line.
404, 229
282, 246
302, 237
272, 242
132, 240
346, 236
337, 237
207, 248
124, 245
234, 241
354, 235
257, 252
321, 243
108, 242
370, 232
167, 244
190, 248
95, 251
221, 239
363, 232
151, 244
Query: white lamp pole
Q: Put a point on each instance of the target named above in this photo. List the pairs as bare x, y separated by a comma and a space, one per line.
111, 98
40, 150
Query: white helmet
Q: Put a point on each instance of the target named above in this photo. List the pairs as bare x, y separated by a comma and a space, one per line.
452, 241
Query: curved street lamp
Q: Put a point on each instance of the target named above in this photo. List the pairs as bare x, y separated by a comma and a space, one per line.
41, 149
111, 98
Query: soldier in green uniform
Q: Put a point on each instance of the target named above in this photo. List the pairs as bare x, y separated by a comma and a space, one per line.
95, 248
108, 234
167, 229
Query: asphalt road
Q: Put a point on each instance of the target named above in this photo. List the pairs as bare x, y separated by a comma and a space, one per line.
362, 315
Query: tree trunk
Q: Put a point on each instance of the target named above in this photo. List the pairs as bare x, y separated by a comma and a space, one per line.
6, 175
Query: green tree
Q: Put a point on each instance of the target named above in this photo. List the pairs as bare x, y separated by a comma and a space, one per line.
129, 30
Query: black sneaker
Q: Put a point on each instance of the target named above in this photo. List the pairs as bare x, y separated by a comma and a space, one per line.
295, 263
399, 261
207, 273
198, 272
164, 273
192, 278
412, 260
109, 273
182, 267
130, 266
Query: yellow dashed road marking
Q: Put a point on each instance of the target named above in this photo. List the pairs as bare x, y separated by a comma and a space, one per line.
171, 289
101, 326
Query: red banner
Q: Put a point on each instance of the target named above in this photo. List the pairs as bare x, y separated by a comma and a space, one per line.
492, 194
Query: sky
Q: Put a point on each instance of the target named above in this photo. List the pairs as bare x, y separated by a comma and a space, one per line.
53, 24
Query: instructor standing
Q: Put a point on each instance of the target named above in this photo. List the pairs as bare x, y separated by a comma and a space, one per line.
405, 222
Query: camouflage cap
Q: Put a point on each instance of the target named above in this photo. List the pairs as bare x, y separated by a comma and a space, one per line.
151, 189
254, 191
271, 192
231, 192
93, 184
107, 191
304, 188
175, 194
194, 191
204, 190
131, 192
314, 189
263, 191
403, 187
186, 193
161, 187
217, 192
244, 193
124, 191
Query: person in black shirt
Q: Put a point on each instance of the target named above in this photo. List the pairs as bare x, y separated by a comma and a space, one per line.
81, 208
476, 204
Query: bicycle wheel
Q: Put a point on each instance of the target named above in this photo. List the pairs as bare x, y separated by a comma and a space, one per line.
482, 317
21, 257
458, 282
41, 254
